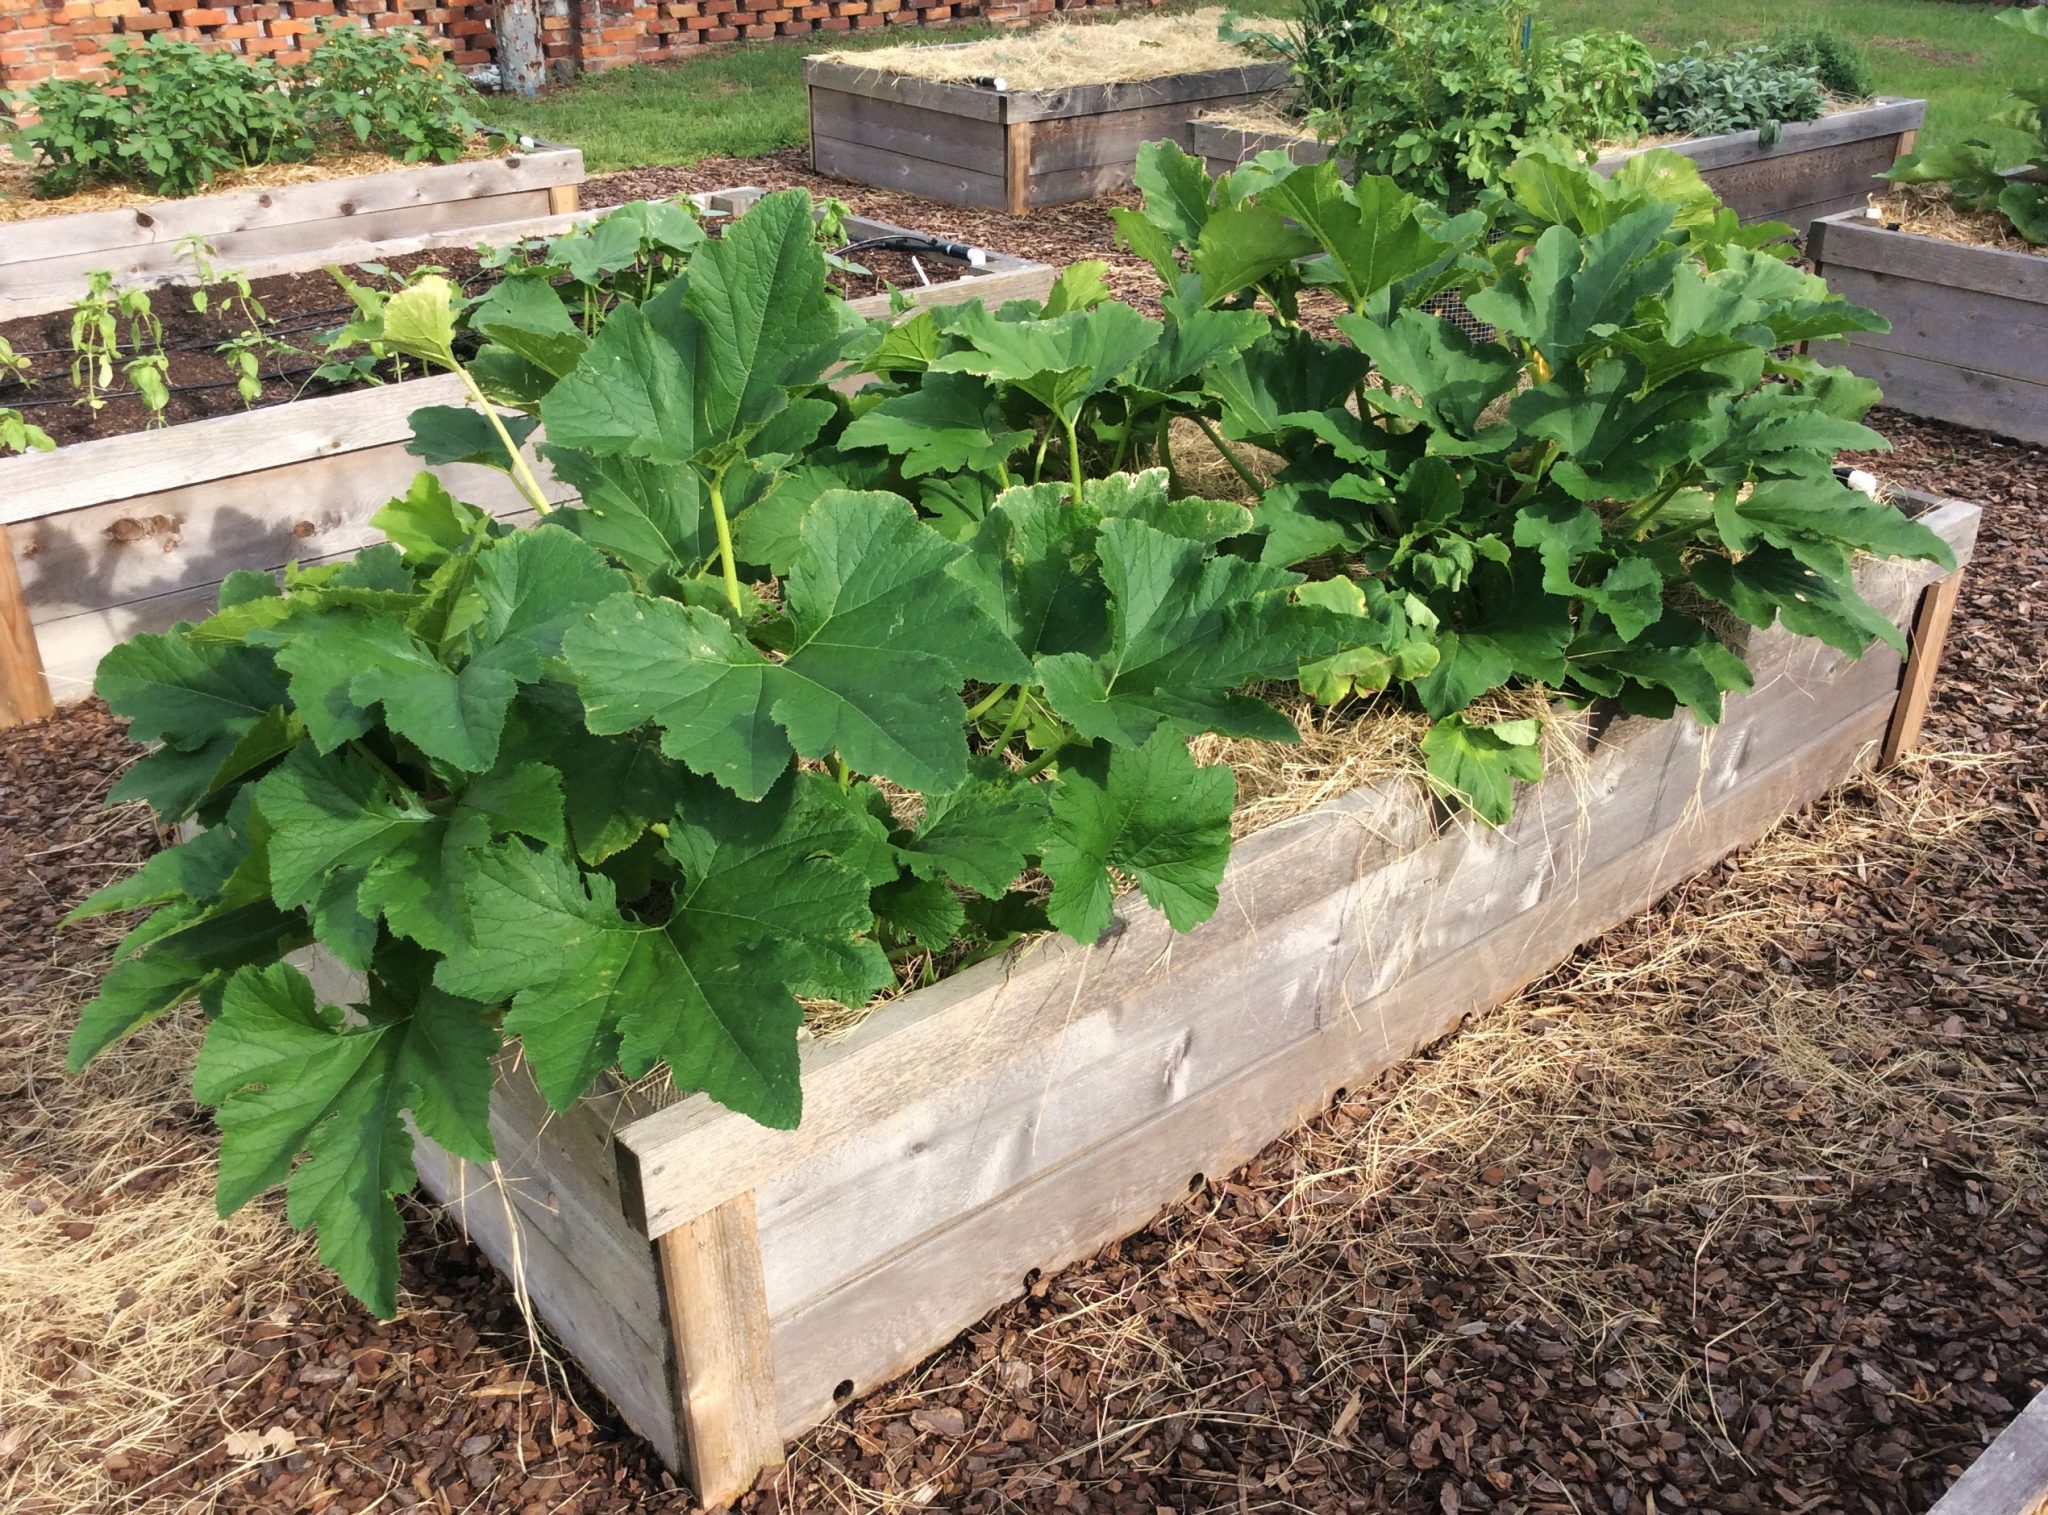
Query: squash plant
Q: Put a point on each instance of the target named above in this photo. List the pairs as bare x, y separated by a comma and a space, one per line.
811, 689
611, 788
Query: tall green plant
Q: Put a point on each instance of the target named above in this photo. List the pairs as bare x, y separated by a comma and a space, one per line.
1972, 171
1704, 93
168, 117
748, 725
1441, 95
623, 786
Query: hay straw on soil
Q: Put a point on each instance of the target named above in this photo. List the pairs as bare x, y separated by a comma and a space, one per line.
1925, 211
1063, 53
1719, 1095
1266, 115
123, 1297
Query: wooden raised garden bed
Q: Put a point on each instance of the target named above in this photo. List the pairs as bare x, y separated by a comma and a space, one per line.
134, 533
728, 1285
1011, 149
1815, 169
1969, 337
48, 258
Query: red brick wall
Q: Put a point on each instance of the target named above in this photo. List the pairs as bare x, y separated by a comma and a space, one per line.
42, 39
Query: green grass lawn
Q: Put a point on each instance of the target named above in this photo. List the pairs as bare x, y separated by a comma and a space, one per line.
1955, 56
732, 101
729, 101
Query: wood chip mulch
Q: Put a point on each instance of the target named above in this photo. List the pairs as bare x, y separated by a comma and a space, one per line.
1608, 1261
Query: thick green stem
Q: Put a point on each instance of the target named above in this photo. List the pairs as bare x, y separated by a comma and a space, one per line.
1073, 457
521, 474
1016, 720
727, 564
988, 702
1638, 517
1163, 445
1043, 761
1223, 450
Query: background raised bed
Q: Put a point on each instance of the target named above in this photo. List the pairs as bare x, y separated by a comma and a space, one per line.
1969, 337
1815, 169
44, 261
1019, 1115
1009, 149
133, 533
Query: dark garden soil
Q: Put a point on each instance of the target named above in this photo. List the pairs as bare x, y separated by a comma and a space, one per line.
299, 311
1740, 1211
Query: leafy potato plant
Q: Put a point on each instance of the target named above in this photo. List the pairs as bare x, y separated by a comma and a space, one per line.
812, 690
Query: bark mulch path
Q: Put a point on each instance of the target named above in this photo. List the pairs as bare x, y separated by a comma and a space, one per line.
1739, 1211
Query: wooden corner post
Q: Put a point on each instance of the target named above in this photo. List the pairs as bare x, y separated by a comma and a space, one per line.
24, 692
1017, 167
725, 1368
1923, 660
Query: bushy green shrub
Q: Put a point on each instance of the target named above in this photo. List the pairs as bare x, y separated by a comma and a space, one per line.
1441, 95
389, 90
1320, 35
1838, 63
1703, 93
169, 117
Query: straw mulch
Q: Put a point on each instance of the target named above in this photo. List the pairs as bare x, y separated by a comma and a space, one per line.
1925, 210
1062, 53
122, 1296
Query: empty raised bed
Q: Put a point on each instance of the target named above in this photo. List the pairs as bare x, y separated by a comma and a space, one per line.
133, 533
44, 262
729, 1285
982, 138
1814, 169
1969, 334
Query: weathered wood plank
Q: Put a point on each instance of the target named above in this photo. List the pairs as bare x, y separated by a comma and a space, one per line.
147, 462
2009, 1477
1965, 328
725, 1384
1191, 89
55, 282
953, 99
886, 170
1770, 188
167, 540
217, 215
24, 692
938, 137
1852, 241
1930, 635
1947, 391
1225, 147
1113, 137
1881, 118
1029, 1100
